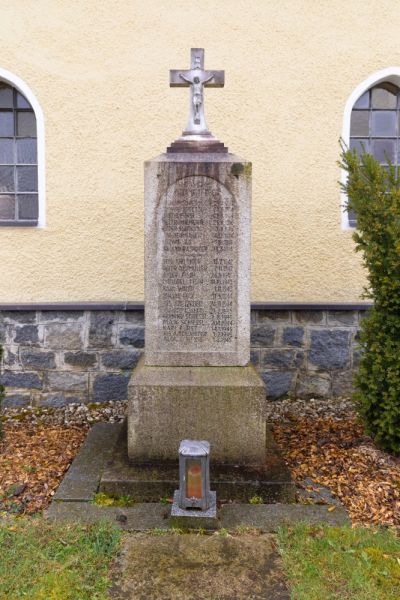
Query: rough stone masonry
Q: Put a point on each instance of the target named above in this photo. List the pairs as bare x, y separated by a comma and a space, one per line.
55, 357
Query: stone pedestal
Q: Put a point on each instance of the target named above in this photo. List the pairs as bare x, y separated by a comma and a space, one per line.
195, 381
220, 404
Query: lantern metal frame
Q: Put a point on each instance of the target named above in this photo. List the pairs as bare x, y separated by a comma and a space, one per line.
197, 451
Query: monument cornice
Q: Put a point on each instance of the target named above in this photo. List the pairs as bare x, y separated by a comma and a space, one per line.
140, 305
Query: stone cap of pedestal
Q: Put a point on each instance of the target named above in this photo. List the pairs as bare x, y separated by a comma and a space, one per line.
206, 377
197, 157
207, 145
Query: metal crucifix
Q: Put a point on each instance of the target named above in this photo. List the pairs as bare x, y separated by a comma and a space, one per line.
197, 79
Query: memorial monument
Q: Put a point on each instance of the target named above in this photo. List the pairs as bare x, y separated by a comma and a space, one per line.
194, 390
195, 380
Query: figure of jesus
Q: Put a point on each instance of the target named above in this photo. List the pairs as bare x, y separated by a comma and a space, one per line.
196, 85
197, 78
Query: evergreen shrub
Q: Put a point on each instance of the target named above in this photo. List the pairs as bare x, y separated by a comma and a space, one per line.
1, 395
373, 193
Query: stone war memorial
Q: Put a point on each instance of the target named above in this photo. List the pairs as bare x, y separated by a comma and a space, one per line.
194, 389
195, 380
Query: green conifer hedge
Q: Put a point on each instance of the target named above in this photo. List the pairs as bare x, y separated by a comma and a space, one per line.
373, 193
1, 394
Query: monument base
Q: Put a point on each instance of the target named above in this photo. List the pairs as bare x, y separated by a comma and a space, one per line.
159, 479
222, 405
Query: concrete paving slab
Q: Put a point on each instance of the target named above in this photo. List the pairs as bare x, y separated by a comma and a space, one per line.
199, 567
82, 479
148, 515
268, 517
141, 517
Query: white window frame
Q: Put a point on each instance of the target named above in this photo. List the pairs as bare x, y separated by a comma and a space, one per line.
391, 74
25, 90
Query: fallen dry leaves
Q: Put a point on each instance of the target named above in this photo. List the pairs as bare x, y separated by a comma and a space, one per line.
33, 460
338, 455
334, 453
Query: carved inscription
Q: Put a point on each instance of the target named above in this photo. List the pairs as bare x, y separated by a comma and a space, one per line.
197, 266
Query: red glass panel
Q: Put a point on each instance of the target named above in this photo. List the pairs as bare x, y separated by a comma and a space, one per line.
193, 479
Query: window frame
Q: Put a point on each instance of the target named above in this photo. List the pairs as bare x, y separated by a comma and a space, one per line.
24, 89
390, 74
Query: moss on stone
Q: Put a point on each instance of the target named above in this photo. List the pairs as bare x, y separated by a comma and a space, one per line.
102, 499
237, 169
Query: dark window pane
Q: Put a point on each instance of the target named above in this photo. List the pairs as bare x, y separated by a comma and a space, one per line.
6, 151
27, 179
383, 123
384, 150
17, 120
6, 96
359, 144
6, 123
26, 124
381, 98
27, 206
352, 218
22, 102
26, 151
359, 123
6, 179
7, 207
363, 101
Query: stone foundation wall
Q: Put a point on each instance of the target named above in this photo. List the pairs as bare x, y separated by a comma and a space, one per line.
306, 353
53, 357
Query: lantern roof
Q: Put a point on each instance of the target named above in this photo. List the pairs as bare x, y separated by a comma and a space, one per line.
194, 448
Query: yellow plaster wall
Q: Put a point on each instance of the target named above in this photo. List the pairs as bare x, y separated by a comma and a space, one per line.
100, 72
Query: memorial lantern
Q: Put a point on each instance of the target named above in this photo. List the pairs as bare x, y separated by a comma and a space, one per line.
194, 474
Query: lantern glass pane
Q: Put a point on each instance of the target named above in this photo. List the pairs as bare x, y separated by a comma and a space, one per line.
194, 488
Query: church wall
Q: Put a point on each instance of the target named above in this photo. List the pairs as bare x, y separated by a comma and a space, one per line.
55, 357
100, 73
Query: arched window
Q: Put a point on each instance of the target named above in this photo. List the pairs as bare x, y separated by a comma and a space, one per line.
374, 125
19, 173
372, 121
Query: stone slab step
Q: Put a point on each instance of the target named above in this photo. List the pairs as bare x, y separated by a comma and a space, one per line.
149, 483
149, 515
82, 479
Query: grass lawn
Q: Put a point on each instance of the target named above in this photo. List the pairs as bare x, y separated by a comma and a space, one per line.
341, 563
43, 561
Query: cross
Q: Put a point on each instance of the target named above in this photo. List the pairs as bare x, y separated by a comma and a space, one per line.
196, 78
